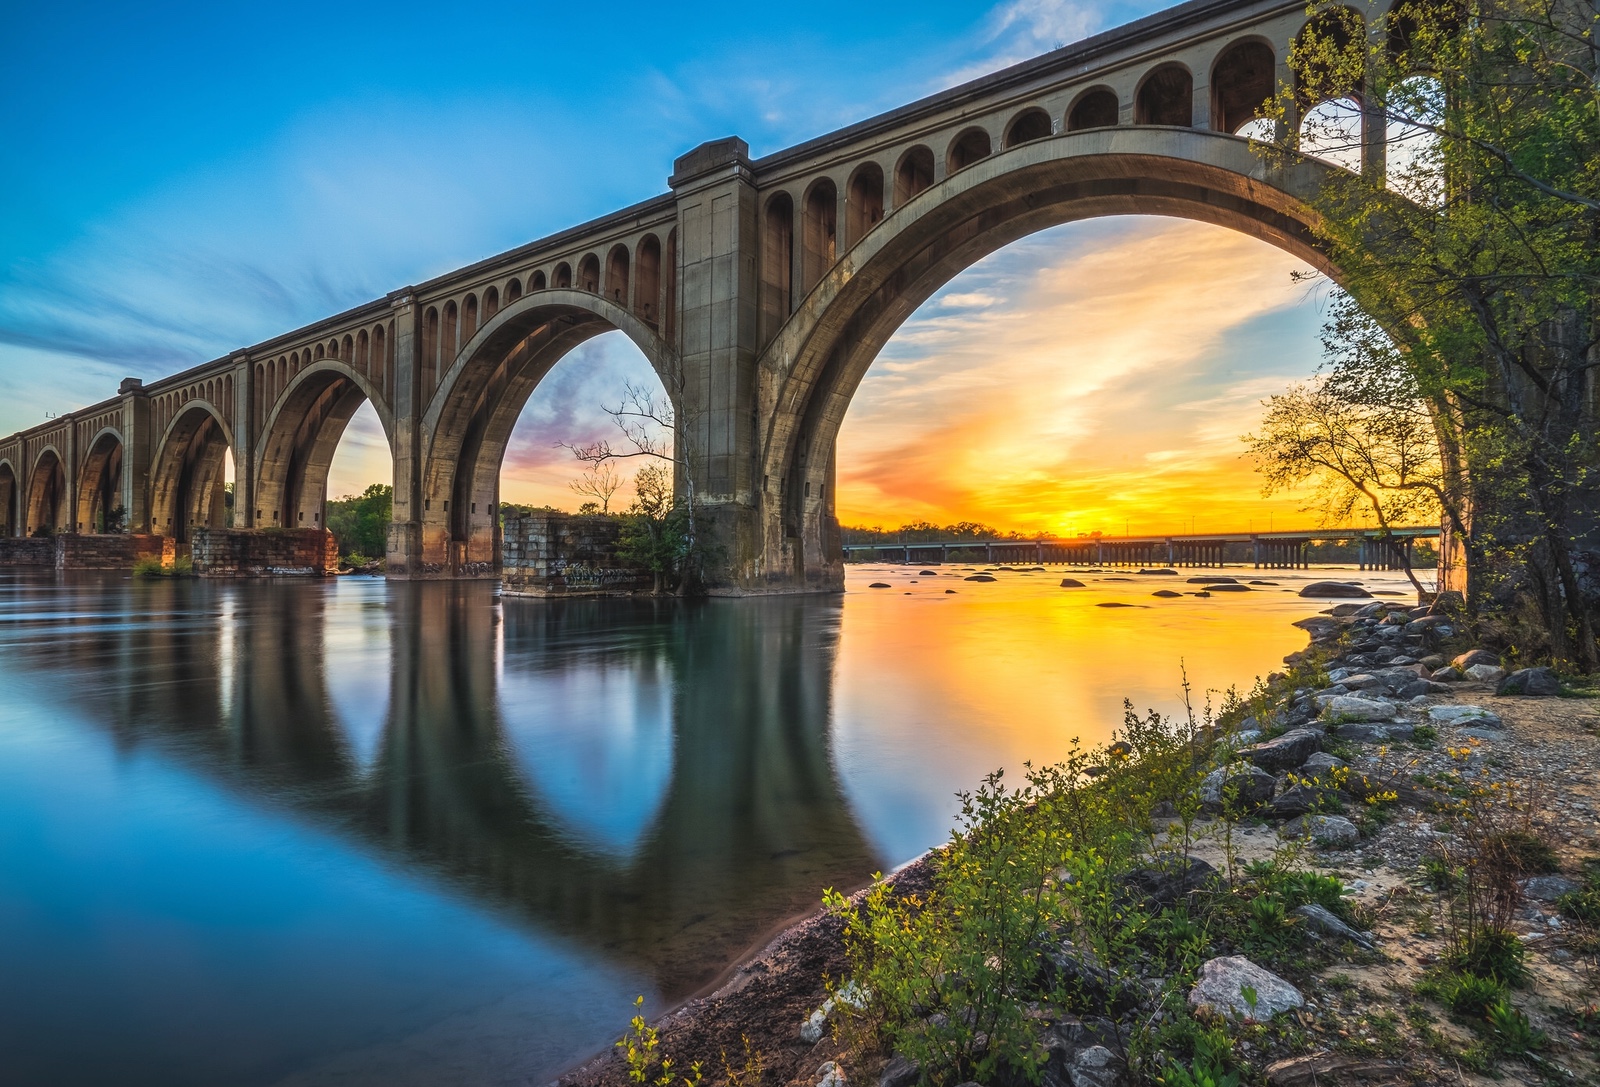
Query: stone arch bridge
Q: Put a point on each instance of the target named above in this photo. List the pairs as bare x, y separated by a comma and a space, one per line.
760, 290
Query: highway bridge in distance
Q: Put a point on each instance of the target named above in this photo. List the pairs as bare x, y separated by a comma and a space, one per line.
1379, 549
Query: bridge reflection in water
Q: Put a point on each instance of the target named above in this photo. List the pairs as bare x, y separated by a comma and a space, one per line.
730, 820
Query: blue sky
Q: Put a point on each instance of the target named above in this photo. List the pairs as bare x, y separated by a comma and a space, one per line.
183, 180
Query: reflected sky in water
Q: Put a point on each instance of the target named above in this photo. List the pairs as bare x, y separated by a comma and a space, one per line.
362, 833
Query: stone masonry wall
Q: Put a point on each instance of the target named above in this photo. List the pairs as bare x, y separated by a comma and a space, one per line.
563, 554
268, 552
27, 551
110, 552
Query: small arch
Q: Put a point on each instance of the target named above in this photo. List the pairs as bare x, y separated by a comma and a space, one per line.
449, 330
333, 349
669, 287
362, 350
380, 356
912, 174
47, 494
561, 278
9, 498
971, 146
1030, 124
819, 235
1242, 81
513, 290
100, 484
1165, 97
294, 361
863, 202
261, 393
589, 274
536, 282
1097, 107
777, 263
647, 287
430, 349
491, 302
347, 350
319, 353
469, 317
617, 274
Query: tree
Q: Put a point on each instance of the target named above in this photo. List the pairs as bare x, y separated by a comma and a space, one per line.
1478, 252
653, 533
361, 523
1382, 456
599, 482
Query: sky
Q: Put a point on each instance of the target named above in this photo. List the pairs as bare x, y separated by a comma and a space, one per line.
180, 181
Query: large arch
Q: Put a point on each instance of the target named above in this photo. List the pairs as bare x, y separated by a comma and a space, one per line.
10, 499
468, 425
46, 502
100, 483
299, 438
812, 368
186, 480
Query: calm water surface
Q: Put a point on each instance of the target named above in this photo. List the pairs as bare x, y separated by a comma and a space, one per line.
359, 833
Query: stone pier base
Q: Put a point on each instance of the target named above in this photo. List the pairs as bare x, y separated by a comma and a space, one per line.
265, 552
111, 552
563, 554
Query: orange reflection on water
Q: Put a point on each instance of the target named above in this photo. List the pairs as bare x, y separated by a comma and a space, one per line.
936, 689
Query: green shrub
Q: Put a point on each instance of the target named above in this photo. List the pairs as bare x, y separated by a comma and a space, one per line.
1509, 1029
1464, 994
1492, 953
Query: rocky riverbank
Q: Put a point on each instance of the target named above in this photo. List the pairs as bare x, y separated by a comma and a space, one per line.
1383, 759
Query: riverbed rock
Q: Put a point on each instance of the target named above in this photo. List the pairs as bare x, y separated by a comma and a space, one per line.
1163, 570
1530, 681
1466, 660
1355, 708
1071, 583
1486, 673
1167, 594
880, 585
1448, 674
1237, 787
1168, 880
1462, 714
979, 577
899, 1071
1549, 888
928, 573
1322, 765
1357, 732
1328, 831
1286, 752
1302, 799
1222, 983
1336, 589
1324, 922
1095, 1066
1213, 580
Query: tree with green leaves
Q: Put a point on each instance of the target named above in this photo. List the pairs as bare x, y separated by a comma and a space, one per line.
361, 522
1470, 239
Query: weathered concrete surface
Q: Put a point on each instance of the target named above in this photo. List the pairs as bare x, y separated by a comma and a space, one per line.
562, 554
229, 552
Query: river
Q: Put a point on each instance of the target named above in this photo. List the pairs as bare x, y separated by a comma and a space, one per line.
356, 833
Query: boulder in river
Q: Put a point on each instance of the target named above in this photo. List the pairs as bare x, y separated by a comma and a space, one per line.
1163, 570
928, 573
1229, 587
1213, 580
980, 577
880, 585
1117, 604
1166, 594
1071, 583
1335, 589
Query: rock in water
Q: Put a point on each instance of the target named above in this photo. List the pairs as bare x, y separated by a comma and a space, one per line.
880, 585
1337, 590
1166, 594
1531, 681
1329, 831
979, 577
1071, 583
1222, 986
1321, 920
1286, 752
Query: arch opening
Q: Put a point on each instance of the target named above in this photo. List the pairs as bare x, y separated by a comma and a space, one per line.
1242, 82
913, 174
971, 146
864, 204
189, 482
1030, 124
777, 264
647, 301
1165, 97
9, 500
100, 507
589, 274
617, 275
819, 232
1096, 107
47, 496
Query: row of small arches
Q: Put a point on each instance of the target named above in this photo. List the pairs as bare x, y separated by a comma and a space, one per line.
369, 352
640, 280
217, 392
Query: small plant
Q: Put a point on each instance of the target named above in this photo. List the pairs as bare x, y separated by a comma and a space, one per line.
1210, 1066
1510, 1032
1465, 994
1492, 953
639, 1048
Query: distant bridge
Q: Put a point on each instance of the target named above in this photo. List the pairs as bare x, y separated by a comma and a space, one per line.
1273, 550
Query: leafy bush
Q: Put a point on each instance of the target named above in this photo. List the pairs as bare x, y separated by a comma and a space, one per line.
1509, 1029
1464, 994
361, 522
1492, 953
